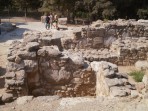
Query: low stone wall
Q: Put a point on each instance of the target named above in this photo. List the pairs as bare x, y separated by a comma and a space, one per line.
103, 34
45, 70
122, 52
35, 69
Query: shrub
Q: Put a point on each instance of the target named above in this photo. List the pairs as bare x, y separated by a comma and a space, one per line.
137, 75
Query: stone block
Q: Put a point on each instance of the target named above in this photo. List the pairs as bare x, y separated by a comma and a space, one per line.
32, 46
7, 97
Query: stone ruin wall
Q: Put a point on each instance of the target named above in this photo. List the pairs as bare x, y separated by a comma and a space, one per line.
121, 44
69, 67
34, 69
122, 52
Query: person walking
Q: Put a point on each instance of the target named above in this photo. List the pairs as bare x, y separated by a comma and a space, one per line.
0, 26
47, 22
56, 21
51, 20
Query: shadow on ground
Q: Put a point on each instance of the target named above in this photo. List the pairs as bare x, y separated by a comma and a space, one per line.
16, 34
2, 80
2, 71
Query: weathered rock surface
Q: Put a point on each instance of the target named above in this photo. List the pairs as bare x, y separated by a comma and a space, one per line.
23, 100
108, 81
143, 65
7, 97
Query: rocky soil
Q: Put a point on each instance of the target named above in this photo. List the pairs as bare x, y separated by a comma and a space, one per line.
54, 103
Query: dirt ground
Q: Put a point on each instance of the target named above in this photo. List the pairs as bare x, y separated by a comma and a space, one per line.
65, 104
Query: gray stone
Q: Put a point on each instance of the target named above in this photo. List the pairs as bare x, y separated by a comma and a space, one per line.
51, 75
134, 94
23, 100
10, 75
45, 41
27, 55
145, 80
30, 38
10, 82
18, 60
11, 58
11, 66
109, 73
30, 65
64, 76
20, 75
77, 81
50, 51
7, 97
32, 46
141, 65
118, 92
140, 86
122, 75
77, 58
114, 82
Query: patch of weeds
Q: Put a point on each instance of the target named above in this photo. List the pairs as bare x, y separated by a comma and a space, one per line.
137, 75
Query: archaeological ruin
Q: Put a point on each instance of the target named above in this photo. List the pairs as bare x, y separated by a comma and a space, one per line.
77, 63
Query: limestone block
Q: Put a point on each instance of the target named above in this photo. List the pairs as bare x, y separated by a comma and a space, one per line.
118, 91
26, 55
58, 77
11, 66
134, 94
10, 82
32, 46
64, 76
18, 60
97, 41
30, 38
11, 58
111, 32
77, 74
77, 81
23, 100
77, 58
10, 75
140, 86
122, 75
145, 80
109, 73
30, 65
20, 75
7, 97
141, 64
100, 32
114, 82
50, 51
45, 41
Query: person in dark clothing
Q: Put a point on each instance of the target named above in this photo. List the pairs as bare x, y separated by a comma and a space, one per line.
0, 26
47, 22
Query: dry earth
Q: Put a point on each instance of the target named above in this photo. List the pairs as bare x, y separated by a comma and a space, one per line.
55, 103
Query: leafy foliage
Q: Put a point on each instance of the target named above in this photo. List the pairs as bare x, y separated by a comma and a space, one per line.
92, 9
137, 75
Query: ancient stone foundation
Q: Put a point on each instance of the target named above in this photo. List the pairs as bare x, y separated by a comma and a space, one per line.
83, 63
